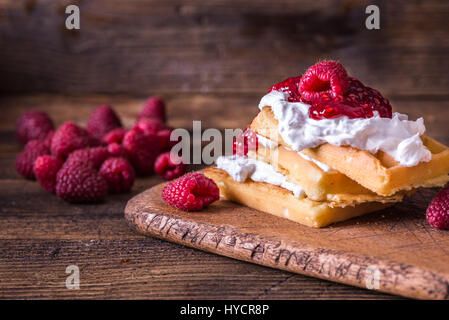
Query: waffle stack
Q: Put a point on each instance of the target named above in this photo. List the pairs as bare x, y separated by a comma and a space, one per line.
336, 182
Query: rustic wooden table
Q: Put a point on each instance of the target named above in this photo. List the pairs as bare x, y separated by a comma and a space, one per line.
211, 62
41, 235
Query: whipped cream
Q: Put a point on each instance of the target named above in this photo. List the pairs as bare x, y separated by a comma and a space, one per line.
267, 143
320, 165
242, 168
270, 144
397, 137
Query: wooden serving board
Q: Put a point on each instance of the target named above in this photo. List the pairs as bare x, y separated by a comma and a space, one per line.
411, 257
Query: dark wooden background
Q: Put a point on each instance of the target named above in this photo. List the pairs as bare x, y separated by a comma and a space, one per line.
211, 61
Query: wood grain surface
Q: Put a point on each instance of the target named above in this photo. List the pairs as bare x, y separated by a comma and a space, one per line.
211, 61
41, 235
410, 256
145, 46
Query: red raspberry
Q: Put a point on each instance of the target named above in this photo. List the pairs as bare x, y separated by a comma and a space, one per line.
150, 126
119, 174
368, 97
164, 138
115, 135
92, 156
33, 125
142, 149
102, 121
289, 86
94, 142
191, 192
325, 77
329, 109
25, 160
116, 150
45, 168
167, 169
358, 102
153, 108
48, 139
69, 137
438, 211
79, 182
245, 141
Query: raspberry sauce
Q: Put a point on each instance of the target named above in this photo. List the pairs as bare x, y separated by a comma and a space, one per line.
289, 86
358, 101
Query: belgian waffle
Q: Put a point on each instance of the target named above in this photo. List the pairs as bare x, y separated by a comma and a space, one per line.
379, 173
281, 202
319, 185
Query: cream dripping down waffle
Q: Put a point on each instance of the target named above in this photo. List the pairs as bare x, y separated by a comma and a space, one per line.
325, 148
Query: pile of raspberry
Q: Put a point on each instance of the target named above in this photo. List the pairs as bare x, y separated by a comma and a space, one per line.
86, 164
331, 93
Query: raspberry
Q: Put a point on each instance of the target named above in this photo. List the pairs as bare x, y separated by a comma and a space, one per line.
329, 109
167, 169
102, 121
142, 149
153, 108
325, 77
245, 141
437, 213
25, 160
92, 156
191, 192
115, 135
32, 125
69, 137
289, 86
358, 102
119, 174
164, 138
79, 182
45, 168
48, 138
368, 97
116, 150
95, 142
150, 126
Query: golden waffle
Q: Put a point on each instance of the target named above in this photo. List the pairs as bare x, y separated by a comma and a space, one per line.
282, 203
379, 173
319, 185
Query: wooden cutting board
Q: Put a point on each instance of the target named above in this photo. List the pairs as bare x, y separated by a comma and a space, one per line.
396, 244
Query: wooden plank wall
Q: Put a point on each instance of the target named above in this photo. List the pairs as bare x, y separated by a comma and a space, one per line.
210, 60
219, 46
